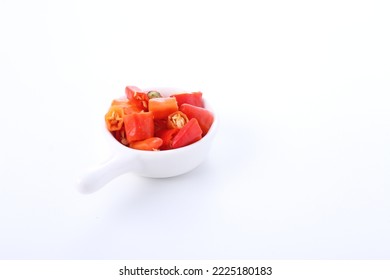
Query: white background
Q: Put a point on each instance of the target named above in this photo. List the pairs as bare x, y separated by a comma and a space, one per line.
299, 168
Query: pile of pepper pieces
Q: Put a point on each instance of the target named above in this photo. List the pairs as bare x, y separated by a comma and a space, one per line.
145, 120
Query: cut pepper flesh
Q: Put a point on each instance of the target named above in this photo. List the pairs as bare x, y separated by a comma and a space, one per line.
149, 144
139, 126
204, 116
145, 120
114, 118
189, 134
177, 120
162, 107
193, 98
137, 98
167, 136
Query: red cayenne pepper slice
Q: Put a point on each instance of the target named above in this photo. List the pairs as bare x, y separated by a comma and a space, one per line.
114, 118
137, 98
193, 98
189, 134
149, 144
139, 126
177, 120
204, 116
162, 107
167, 136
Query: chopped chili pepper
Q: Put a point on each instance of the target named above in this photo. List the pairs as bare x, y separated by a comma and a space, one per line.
160, 124
147, 121
189, 134
149, 144
114, 118
193, 98
128, 108
137, 97
167, 135
162, 107
177, 120
120, 135
204, 116
139, 126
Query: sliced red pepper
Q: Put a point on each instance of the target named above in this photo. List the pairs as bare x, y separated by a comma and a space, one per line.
150, 144
193, 98
137, 97
120, 135
162, 107
177, 120
204, 116
139, 126
160, 124
167, 135
114, 118
189, 134
128, 108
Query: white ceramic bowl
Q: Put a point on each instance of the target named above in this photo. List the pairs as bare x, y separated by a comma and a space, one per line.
153, 164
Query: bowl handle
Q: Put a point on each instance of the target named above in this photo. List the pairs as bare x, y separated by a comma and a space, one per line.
99, 176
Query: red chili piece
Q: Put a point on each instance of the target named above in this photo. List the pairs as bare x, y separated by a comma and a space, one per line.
162, 107
204, 116
150, 144
193, 98
189, 134
137, 98
167, 136
139, 126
